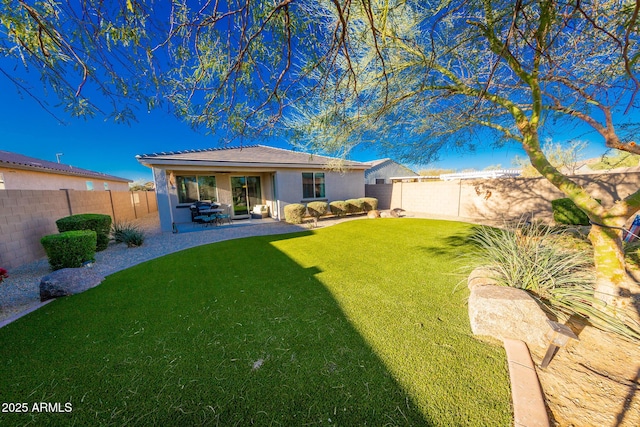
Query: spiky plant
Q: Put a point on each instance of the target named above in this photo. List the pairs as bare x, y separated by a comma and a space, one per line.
562, 279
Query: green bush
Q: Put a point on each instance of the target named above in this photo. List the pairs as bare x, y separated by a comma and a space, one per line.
317, 209
70, 249
566, 212
294, 213
354, 206
369, 203
99, 223
338, 208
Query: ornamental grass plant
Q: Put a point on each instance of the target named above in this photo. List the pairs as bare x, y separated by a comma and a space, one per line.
559, 274
127, 233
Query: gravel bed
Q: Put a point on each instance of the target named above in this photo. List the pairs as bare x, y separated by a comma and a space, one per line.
21, 291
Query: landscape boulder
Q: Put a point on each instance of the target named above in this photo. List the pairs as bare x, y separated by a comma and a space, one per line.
373, 214
68, 281
504, 312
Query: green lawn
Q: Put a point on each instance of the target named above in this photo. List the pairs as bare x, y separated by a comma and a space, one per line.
354, 324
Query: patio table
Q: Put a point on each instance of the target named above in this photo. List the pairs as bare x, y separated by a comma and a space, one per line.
211, 214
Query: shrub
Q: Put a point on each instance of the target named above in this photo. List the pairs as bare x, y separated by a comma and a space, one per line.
124, 232
566, 212
317, 209
3, 274
70, 249
354, 206
370, 204
563, 280
294, 213
338, 208
99, 223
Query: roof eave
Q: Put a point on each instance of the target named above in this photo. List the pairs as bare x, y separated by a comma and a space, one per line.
163, 163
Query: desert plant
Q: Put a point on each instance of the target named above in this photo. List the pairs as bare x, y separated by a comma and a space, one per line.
99, 223
369, 203
338, 208
70, 249
354, 206
125, 232
294, 213
561, 279
133, 237
317, 209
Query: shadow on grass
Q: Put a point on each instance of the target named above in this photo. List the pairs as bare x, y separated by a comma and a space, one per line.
452, 245
223, 334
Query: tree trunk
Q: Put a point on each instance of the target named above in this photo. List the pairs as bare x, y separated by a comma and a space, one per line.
614, 285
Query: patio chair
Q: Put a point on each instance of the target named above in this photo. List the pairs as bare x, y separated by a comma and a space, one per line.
225, 215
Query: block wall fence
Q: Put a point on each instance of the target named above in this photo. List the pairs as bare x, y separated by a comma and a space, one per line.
496, 200
27, 215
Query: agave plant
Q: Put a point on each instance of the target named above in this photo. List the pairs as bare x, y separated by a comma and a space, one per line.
562, 279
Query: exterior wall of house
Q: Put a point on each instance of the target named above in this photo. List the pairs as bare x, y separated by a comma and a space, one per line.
338, 186
28, 215
288, 189
172, 211
386, 171
20, 179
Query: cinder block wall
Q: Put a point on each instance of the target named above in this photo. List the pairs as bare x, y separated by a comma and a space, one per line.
503, 199
382, 192
28, 215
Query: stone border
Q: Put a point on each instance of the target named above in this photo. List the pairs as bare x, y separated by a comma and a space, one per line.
529, 409
527, 397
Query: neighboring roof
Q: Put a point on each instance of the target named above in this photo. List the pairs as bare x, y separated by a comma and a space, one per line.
374, 163
379, 164
19, 161
245, 156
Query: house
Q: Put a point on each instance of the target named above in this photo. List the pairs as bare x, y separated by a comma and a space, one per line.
381, 171
246, 176
18, 172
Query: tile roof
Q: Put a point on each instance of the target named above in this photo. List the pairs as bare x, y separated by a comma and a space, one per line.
258, 155
19, 161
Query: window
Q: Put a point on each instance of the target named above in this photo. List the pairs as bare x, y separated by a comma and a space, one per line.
106, 186
90, 185
194, 188
312, 185
379, 181
1, 181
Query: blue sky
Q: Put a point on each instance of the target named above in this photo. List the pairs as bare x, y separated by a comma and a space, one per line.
103, 146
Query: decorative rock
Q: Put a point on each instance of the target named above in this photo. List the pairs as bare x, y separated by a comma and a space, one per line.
68, 281
507, 313
397, 212
373, 214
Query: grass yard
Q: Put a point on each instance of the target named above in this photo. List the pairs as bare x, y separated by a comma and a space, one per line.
354, 324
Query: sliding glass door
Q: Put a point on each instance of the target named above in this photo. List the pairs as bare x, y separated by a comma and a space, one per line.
247, 193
